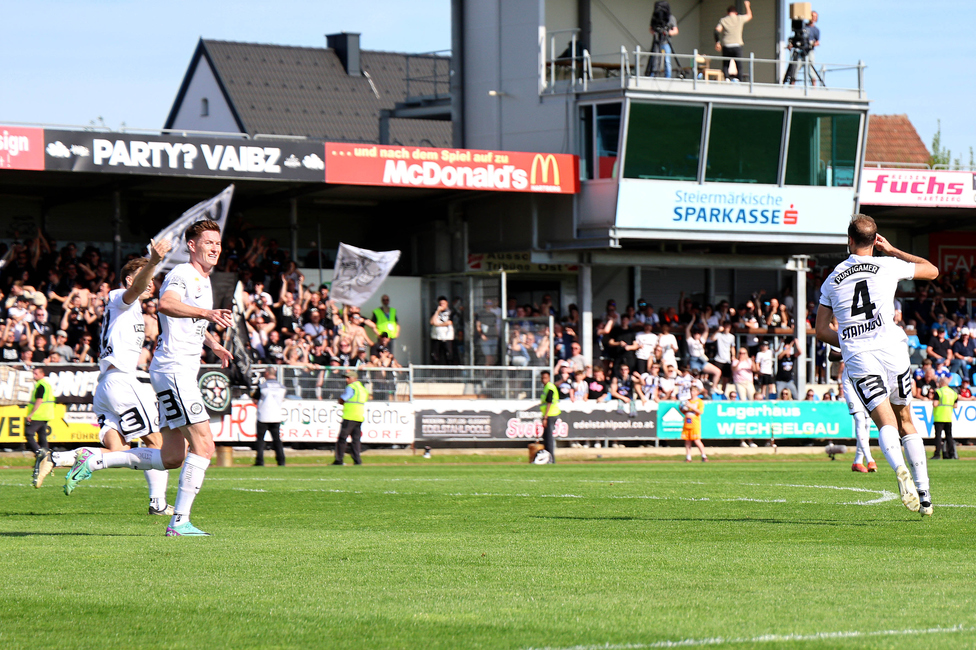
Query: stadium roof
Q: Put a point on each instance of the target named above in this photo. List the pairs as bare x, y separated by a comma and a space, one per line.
305, 91
893, 139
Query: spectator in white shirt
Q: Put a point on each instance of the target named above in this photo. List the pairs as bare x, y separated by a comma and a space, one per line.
669, 346
764, 359
724, 351
646, 342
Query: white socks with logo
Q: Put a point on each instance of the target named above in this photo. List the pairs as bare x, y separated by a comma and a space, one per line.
862, 432
890, 443
139, 458
63, 458
158, 480
915, 451
191, 478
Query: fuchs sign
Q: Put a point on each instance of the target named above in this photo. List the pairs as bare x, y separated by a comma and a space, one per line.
918, 187
463, 169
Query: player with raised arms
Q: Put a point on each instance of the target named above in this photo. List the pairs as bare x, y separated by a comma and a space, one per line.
860, 293
185, 308
126, 408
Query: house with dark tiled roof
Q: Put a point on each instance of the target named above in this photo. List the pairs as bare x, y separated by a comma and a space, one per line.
893, 139
337, 93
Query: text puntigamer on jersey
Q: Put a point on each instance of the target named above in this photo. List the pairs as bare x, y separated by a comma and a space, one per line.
863, 267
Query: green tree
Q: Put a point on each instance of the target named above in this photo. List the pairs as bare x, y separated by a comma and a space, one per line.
940, 156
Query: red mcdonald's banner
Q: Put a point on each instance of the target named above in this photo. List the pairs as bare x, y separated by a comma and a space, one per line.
463, 169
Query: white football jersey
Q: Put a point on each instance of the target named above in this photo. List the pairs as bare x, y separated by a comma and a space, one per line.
123, 332
181, 339
861, 292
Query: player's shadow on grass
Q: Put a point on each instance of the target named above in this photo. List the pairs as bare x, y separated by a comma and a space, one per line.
746, 520
29, 534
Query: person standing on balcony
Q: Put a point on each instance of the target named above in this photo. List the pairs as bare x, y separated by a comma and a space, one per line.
386, 320
728, 39
663, 26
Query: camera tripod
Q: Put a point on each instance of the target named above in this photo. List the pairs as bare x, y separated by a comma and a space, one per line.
799, 57
656, 66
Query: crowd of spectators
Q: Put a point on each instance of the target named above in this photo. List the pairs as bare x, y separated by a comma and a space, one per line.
52, 301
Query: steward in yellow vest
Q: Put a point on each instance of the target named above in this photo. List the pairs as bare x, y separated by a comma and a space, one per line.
945, 399
353, 401
550, 411
40, 412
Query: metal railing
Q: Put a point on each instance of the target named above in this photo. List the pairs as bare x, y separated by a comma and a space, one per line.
696, 71
473, 382
431, 73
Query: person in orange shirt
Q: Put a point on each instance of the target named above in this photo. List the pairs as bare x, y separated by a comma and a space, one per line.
691, 431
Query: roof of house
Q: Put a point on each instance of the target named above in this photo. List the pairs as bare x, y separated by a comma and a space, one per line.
305, 91
893, 139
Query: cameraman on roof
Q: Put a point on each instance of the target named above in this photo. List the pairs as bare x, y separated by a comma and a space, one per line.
813, 34
663, 26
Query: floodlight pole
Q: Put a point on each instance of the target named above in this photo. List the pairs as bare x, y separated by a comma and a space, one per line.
799, 264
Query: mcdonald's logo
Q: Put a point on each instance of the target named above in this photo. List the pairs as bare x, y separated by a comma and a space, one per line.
544, 161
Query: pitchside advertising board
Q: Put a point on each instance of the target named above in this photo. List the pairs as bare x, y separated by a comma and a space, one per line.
927, 188
736, 211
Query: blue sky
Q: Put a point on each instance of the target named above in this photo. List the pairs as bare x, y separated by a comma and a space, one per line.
71, 61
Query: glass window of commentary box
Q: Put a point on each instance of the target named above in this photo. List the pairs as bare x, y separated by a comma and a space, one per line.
664, 141
744, 145
823, 149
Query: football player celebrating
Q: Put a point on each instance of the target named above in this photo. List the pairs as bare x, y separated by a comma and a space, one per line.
860, 292
185, 308
126, 408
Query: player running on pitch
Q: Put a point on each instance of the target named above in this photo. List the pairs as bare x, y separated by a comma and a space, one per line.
185, 308
126, 408
860, 292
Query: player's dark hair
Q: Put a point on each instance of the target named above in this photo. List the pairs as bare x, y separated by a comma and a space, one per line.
731, 8
200, 227
132, 267
863, 231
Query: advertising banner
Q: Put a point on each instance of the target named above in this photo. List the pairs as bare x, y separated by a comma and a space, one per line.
728, 208
953, 251
736, 420
91, 151
928, 188
521, 262
73, 387
459, 169
455, 421
21, 148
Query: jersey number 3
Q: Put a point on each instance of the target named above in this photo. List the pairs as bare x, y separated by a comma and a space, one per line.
862, 301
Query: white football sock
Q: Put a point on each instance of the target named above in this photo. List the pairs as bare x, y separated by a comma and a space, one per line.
63, 458
157, 480
139, 458
862, 434
890, 443
191, 478
915, 451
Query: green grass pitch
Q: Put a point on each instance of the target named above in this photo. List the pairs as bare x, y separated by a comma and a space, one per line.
769, 554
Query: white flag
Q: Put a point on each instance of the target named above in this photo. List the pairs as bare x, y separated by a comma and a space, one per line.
359, 273
215, 209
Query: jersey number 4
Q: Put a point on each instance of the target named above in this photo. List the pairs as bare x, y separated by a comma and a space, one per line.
862, 301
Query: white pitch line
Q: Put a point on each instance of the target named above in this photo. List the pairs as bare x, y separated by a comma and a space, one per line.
765, 638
